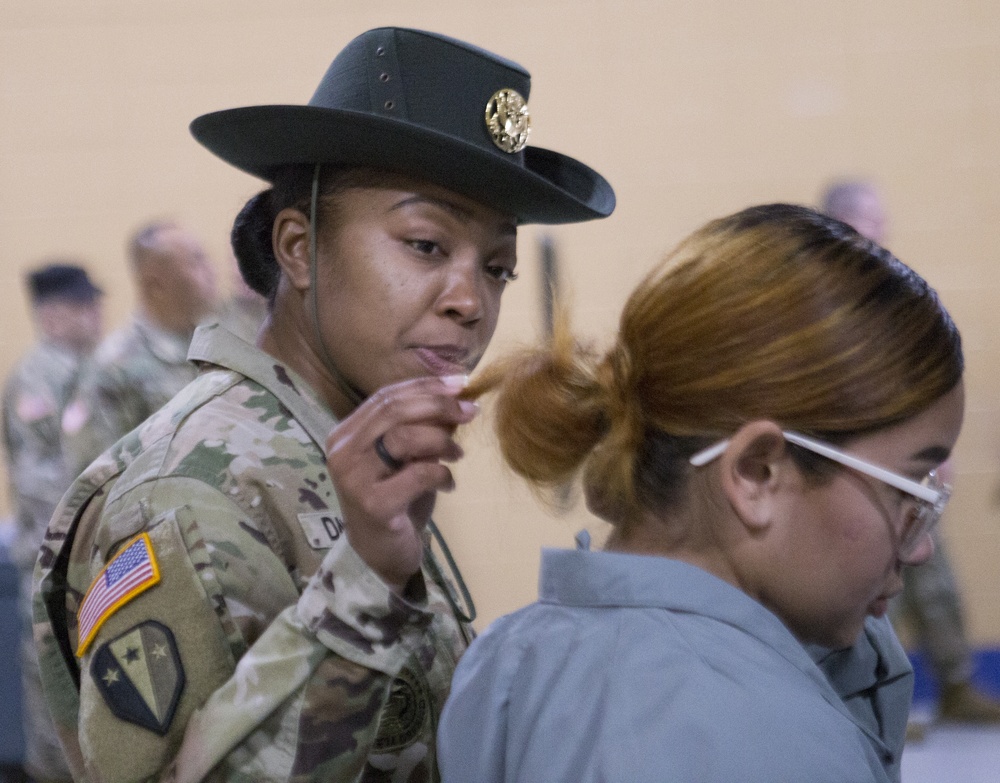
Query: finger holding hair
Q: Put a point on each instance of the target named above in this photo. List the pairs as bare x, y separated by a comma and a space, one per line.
386, 462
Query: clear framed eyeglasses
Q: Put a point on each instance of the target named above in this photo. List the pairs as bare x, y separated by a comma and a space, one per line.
926, 498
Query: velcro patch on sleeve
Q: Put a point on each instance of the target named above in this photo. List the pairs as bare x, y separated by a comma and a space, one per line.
140, 676
32, 407
74, 416
131, 572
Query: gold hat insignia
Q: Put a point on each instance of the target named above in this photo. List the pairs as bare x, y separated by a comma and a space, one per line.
508, 120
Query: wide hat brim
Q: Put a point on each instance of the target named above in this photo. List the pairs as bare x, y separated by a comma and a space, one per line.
542, 187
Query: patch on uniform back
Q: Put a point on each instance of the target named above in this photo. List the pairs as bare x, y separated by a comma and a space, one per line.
140, 676
404, 714
132, 571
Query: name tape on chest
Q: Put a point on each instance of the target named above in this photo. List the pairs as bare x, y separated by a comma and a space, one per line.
323, 529
131, 572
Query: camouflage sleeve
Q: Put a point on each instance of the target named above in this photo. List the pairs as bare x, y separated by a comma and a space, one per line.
36, 468
105, 407
32, 440
222, 671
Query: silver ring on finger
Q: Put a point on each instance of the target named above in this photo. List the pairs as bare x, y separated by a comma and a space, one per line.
388, 460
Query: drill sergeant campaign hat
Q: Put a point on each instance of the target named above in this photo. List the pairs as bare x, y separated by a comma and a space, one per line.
425, 105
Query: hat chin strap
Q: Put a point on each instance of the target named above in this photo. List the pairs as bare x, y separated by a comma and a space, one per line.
354, 396
466, 613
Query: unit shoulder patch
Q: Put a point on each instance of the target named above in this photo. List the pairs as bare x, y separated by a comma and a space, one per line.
140, 676
131, 572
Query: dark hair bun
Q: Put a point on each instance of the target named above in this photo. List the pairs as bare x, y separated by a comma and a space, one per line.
251, 241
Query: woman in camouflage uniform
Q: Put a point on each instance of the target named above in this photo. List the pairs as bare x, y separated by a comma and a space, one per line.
239, 589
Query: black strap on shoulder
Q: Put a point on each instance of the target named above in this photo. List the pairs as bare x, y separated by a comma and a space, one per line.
468, 614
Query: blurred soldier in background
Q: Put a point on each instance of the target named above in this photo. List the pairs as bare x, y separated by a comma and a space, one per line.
930, 601
66, 309
859, 204
138, 368
245, 310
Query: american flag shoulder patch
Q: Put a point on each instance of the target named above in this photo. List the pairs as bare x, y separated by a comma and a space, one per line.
131, 572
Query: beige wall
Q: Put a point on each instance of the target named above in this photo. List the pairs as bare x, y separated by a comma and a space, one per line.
692, 109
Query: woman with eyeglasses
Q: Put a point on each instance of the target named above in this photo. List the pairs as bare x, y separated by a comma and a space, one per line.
763, 436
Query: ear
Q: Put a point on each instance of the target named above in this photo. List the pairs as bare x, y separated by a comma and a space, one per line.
752, 471
290, 239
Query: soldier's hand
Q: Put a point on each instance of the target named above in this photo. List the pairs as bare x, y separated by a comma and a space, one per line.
386, 461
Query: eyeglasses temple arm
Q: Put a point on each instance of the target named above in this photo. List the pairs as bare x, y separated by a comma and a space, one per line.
892, 479
914, 488
705, 456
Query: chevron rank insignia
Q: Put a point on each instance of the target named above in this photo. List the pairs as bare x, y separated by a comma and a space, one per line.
132, 571
140, 676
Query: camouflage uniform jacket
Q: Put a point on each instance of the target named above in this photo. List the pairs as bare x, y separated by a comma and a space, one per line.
36, 392
134, 372
267, 650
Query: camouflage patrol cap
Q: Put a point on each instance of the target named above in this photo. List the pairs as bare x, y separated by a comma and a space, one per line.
61, 281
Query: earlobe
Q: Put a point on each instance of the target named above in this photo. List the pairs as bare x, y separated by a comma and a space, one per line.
290, 238
751, 469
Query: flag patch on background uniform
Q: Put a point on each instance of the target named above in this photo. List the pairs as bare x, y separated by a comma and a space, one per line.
132, 571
